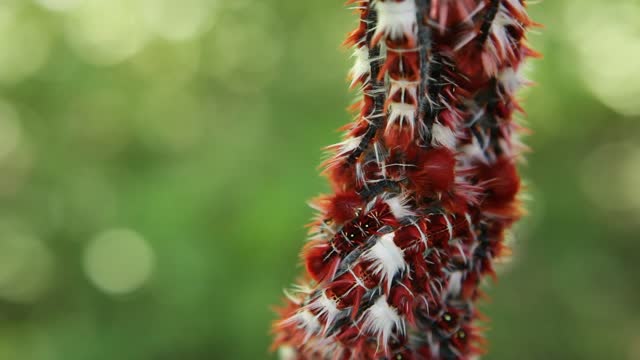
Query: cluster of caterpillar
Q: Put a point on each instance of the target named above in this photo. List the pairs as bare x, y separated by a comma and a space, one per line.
425, 185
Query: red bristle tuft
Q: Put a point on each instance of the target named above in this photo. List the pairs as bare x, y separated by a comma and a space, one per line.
433, 171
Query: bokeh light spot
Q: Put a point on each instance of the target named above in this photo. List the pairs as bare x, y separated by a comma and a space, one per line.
59, 5
8, 11
177, 19
18, 61
118, 261
106, 32
607, 50
26, 265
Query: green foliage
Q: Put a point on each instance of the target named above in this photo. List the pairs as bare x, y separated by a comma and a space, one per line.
155, 159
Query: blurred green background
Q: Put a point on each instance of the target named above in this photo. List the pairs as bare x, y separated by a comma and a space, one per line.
156, 156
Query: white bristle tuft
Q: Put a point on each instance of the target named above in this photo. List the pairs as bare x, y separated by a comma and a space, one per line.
381, 319
287, 353
399, 207
304, 319
473, 153
386, 258
325, 307
443, 136
401, 112
396, 19
361, 66
342, 149
512, 80
454, 284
